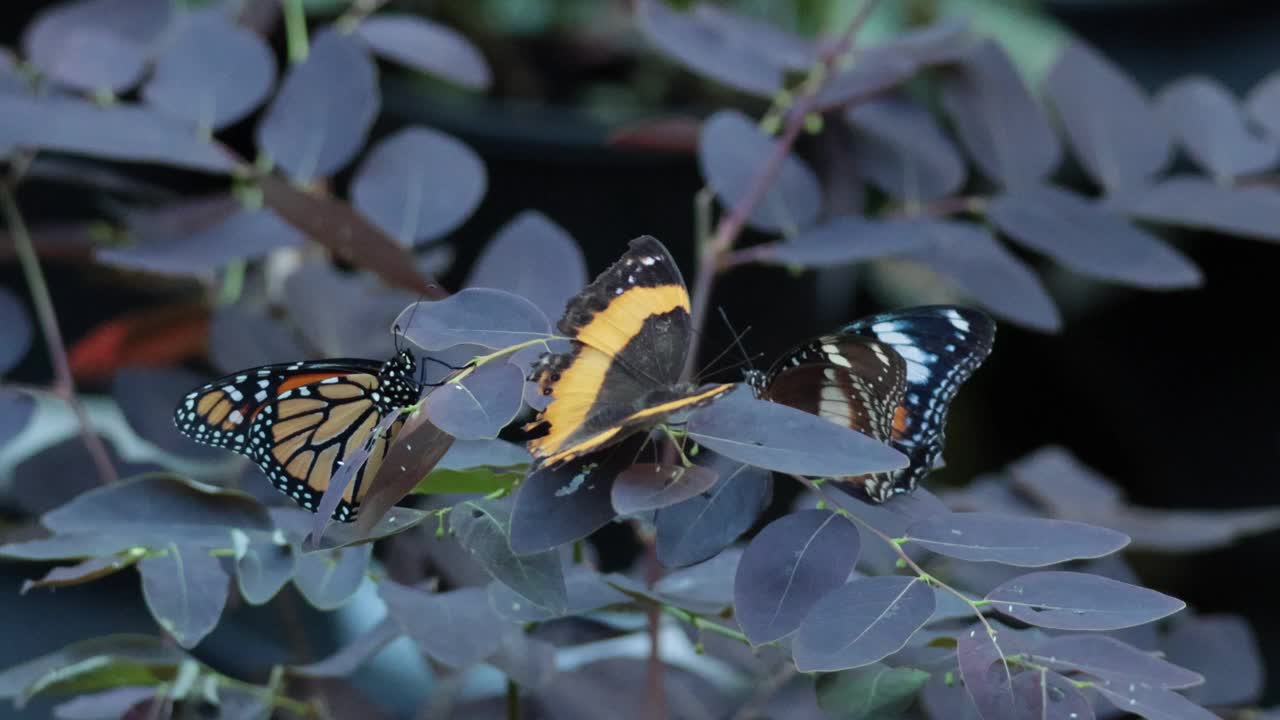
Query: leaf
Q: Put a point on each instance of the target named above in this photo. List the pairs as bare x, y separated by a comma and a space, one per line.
351, 656
1084, 237
476, 480
104, 705
1054, 477
861, 622
1212, 127
1000, 124
900, 148
124, 652
321, 115
483, 528
1151, 702
732, 152
192, 237
419, 184
1049, 696
263, 565
475, 316
213, 73
586, 590
121, 132
555, 506
1011, 540
328, 579
1263, 104
1114, 131
241, 337
534, 258
427, 46
700, 527
15, 325
875, 691
648, 486
84, 572
843, 240
1079, 601
186, 590
982, 660
781, 438
527, 661
94, 46
1109, 659
1224, 649
481, 404
788, 567
394, 521
76, 546
877, 69
705, 588
1196, 202
457, 628
971, 259
417, 449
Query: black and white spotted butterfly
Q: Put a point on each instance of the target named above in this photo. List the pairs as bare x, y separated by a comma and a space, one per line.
891, 376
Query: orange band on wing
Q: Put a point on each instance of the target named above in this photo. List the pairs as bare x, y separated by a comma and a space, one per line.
297, 381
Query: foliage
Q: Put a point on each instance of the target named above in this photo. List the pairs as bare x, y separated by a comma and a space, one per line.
1006, 599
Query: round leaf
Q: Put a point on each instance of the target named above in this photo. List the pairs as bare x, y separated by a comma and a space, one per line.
475, 316
706, 44
263, 566
871, 692
1213, 128
648, 486
1011, 540
1079, 601
702, 526
843, 240
480, 405
864, 621
899, 147
555, 506
328, 579
457, 628
483, 528
427, 46
534, 258
1197, 202
185, 588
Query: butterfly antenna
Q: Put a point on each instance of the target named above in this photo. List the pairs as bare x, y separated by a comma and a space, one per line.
747, 358
737, 342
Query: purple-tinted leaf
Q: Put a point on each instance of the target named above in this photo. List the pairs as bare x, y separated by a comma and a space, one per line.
213, 73
83, 572
899, 147
534, 258
351, 656
559, 505
970, 258
397, 520
1191, 530
881, 67
417, 449
95, 45
895, 515
1196, 202
1116, 134
1046, 695
781, 438
475, 316
185, 588
698, 528
419, 184
1011, 540
1222, 648
481, 404
1056, 479
145, 394
15, 411
528, 661
15, 332
123, 651
1263, 104
1212, 127
466, 454
987, 677
586, 590
874, 691
342, 314
1086, 238
648, 486
105, 705
1152, 703
942, 701
424, 45
1078, 601
328, 579
263, 566
483, 527
705, 588
457, 628
320, 117
74, 546
732, 151
788, 567
845, 239
161, 505
1004, 130
119, 132
864, 621
708, 45
1107, 658
198, 236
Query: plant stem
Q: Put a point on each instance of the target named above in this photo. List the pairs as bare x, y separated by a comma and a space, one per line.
513, 700
701, 623
295, 30
64, 385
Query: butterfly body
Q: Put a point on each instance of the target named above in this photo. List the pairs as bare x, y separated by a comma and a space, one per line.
630, 333
300, 421
891, 376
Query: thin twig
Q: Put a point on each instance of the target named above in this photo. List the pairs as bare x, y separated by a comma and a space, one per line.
64, 385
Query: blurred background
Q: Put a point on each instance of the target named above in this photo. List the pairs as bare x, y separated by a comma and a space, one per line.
1171, 395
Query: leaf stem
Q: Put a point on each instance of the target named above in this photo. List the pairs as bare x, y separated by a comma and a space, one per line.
513, 700
295, 30
64, 385
701, 623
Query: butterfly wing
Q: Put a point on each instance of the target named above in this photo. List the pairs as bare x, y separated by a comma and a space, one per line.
631, 332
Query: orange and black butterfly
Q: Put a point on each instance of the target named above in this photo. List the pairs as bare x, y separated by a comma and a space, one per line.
301, 421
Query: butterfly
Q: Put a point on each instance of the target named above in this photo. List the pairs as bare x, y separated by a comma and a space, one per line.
630, 332
300, 421
891, 376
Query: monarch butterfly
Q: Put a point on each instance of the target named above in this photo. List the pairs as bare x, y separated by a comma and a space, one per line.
300, 421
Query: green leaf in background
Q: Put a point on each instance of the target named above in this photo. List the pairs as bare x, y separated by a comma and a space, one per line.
482, 480
869, 693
